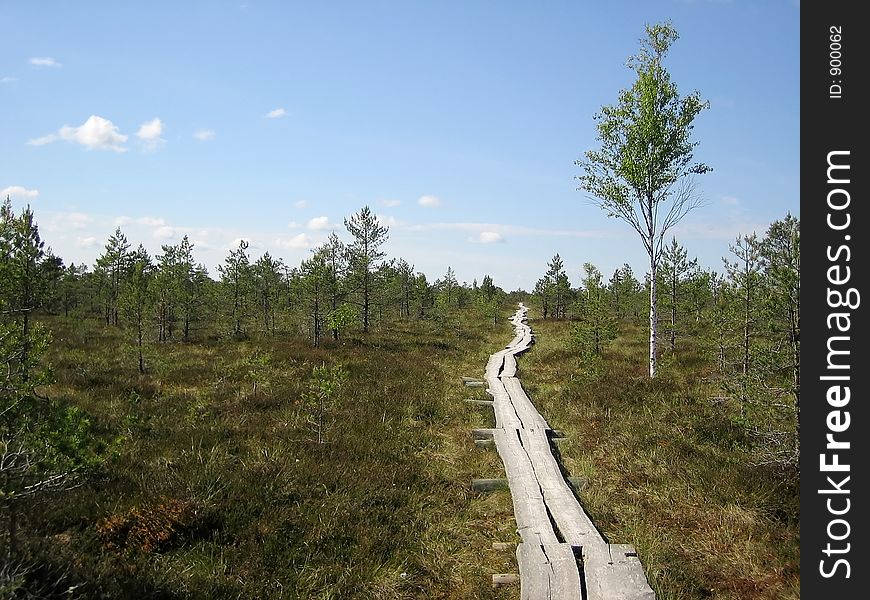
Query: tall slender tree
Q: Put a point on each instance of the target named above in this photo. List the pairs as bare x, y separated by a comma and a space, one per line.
365, 255
642, 172
112, 268
676, 270
237, 279
137, 300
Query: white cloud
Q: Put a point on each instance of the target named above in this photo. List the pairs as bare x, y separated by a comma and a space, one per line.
320, 223
390, 203
87, 242
276, 114
44, 61
718, 231
147, 221
7, 80
65, 221
301, 241
150, 132
430, 201
292, 225
205, 135
17, 191
730, 201
301, 203
96, 132
164, 232
518, 230
151, 221
487, 237
388, 221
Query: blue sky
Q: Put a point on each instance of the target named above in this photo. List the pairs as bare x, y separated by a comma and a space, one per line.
457, 122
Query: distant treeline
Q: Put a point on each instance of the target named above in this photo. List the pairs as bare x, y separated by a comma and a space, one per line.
342, 286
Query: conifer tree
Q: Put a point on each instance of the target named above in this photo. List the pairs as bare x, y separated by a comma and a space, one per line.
365, 255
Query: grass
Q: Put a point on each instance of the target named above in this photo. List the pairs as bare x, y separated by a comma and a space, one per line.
667, 471
218, 489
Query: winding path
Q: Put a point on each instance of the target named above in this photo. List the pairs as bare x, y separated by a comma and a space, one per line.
554, 528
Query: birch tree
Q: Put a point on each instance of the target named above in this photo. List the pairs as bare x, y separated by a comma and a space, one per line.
643, 171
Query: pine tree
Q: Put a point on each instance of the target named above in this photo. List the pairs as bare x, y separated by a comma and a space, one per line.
137, 300
365, 257
596, 326
676, 269
236, 278
112, 268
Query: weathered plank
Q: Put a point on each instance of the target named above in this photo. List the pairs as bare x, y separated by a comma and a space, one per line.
619, 578
482, 434
548, 572
479, 402
502, 546
533, 521
489, 485
505, 414
526, 411
499, 579
510, 366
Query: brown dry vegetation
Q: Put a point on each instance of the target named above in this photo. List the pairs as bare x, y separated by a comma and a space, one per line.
218, 489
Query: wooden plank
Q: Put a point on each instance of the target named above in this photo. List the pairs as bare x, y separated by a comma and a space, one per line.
565, 583
530, 513
479, 402
619, 578
494, 365
482, 434
548, 572
572, 521
505, 414
526, 411
500, 579
502, 546
489, 485
535, 572
510, 366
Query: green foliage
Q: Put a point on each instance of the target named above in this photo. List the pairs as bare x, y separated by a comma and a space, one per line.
237, 277
44, 444
111, 271
341, 318
365, 256
255, 370
595, 327
643, 169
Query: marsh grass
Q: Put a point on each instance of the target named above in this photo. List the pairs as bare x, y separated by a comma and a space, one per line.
667, 469
215, 487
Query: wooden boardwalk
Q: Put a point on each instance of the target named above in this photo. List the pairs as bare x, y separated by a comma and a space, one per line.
562, 555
